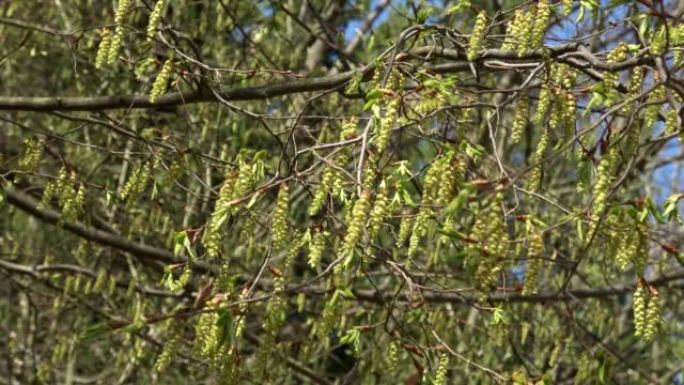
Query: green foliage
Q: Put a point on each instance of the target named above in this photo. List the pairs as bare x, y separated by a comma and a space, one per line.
230, 192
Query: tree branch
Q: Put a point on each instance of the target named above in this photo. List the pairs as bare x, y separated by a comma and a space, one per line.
326, 83
140, 250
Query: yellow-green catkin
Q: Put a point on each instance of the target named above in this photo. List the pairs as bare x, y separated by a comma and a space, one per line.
639, 309
671, 122
242, 313
477, 35
160, 83
611, 79
652, 318
331, 316
631, 142
404, 229
524, 331
357, 224
155, 19
317, 247
604, 178
380, 209
632, 244
677, 40
567, 7
555, 355
137, 182
389, 119
541, 23
525, 33
70, 199
331, 181
635, 84
557, 112
655, 100
520, 118
659, 41
431, 191
322, 191
117, 39
386, 124
454, 171
565, 76
275, 308
570, 112
370, 172
103, 48
212, 232
48, 193
33, 152
640, 258
393, 356
490, 237
535, 179
100, 281
442, 367
171, 345
513, 31
207, 331
73, 206
535, 259
543, 104
279, 225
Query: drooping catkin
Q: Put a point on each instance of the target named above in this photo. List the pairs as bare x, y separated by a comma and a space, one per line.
393, 356
379, 211
170, 347
33, 152
222, 210
534, 263
671, 122
160, 83
604, 178
541, 23
659, 41
477, 36
525, 33
490, 243
535, 178
567, 7
442, 367
137, 182
73, 206
387, 123
434, 180
317, 247
611, 79
356, 225
331, 181
639, 309
155, 19
404, 229
513, 31
652, 318
676, 40
117, 39
103, 48
279, 225
389, 119
542, 105
635, 83
520, 118
655, 100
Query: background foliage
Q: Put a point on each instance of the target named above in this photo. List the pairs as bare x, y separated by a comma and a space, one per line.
340, 191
